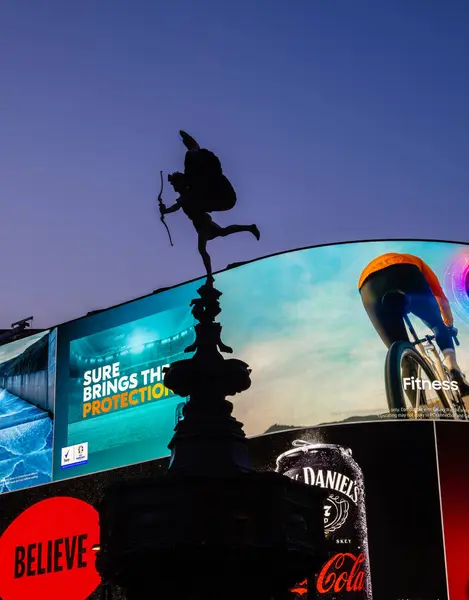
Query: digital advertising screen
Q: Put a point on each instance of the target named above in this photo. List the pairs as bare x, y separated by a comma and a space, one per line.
27, 393
351, 332
382, 516
113, 408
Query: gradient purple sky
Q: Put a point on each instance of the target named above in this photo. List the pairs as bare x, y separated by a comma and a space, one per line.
335, 119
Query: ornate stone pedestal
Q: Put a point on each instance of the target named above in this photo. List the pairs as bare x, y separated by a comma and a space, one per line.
208, 440
211, 527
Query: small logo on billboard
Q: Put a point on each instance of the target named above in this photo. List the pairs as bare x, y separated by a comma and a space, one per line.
336, 511
67, 455
73, 456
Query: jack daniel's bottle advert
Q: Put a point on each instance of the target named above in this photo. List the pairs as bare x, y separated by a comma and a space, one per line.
346, 573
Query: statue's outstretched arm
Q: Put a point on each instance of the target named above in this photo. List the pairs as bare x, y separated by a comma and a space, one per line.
176, 206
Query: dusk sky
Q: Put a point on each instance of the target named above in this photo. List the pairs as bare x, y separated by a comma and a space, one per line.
335, 120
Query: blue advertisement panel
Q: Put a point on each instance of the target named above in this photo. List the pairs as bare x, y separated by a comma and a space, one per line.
348, 332
27, 390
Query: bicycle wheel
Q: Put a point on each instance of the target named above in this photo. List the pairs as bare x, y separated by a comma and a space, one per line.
417, 398
456, 399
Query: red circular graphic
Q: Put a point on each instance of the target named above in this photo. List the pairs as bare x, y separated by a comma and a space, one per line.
46, 553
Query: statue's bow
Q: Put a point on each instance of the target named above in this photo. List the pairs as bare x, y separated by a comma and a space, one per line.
160, 203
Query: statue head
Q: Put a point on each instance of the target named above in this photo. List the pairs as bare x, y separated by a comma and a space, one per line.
178, 181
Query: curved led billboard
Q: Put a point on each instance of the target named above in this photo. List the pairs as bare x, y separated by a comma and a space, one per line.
357, 353
360, 331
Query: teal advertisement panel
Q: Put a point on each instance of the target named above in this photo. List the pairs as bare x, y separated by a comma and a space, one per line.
112, 405
347, 332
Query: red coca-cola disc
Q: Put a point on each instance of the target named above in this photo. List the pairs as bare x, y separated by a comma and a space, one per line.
46, 553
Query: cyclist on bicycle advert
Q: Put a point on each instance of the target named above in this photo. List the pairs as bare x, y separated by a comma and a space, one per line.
424, 297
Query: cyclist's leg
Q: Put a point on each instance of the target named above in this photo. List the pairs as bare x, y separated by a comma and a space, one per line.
387, 317
387, 321
429, 311
424, 305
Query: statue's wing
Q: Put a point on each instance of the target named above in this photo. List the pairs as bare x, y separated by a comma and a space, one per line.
188, 141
